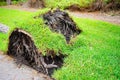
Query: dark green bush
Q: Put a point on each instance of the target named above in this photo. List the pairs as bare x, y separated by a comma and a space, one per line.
2, 3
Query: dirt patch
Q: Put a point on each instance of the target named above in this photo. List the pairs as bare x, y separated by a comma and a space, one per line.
22, 48
59, 21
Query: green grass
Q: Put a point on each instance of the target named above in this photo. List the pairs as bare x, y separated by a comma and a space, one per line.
93, 55
42, 36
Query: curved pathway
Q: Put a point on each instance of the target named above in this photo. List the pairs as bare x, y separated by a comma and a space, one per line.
99, 16
10, 71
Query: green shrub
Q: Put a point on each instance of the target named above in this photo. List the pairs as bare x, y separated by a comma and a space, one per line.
65, 3
3, 3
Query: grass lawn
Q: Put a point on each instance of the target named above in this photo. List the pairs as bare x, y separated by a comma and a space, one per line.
93, 55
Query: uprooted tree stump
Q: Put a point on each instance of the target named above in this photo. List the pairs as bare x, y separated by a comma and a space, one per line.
59, 21
22, 48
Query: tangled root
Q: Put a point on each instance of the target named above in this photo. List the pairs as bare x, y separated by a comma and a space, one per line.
59, 21
22, 48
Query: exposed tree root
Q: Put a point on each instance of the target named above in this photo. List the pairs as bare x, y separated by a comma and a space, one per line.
22, 48
59, 21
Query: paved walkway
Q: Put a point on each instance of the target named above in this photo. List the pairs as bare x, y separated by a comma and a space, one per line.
10, 71
98, 16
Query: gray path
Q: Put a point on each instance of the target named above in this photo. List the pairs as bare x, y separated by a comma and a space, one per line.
10, 71
98, 16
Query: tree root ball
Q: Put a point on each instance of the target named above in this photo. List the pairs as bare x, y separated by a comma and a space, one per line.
22, 48
59, 21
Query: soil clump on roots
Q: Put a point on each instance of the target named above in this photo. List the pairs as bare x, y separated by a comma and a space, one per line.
59, 21
22, 48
